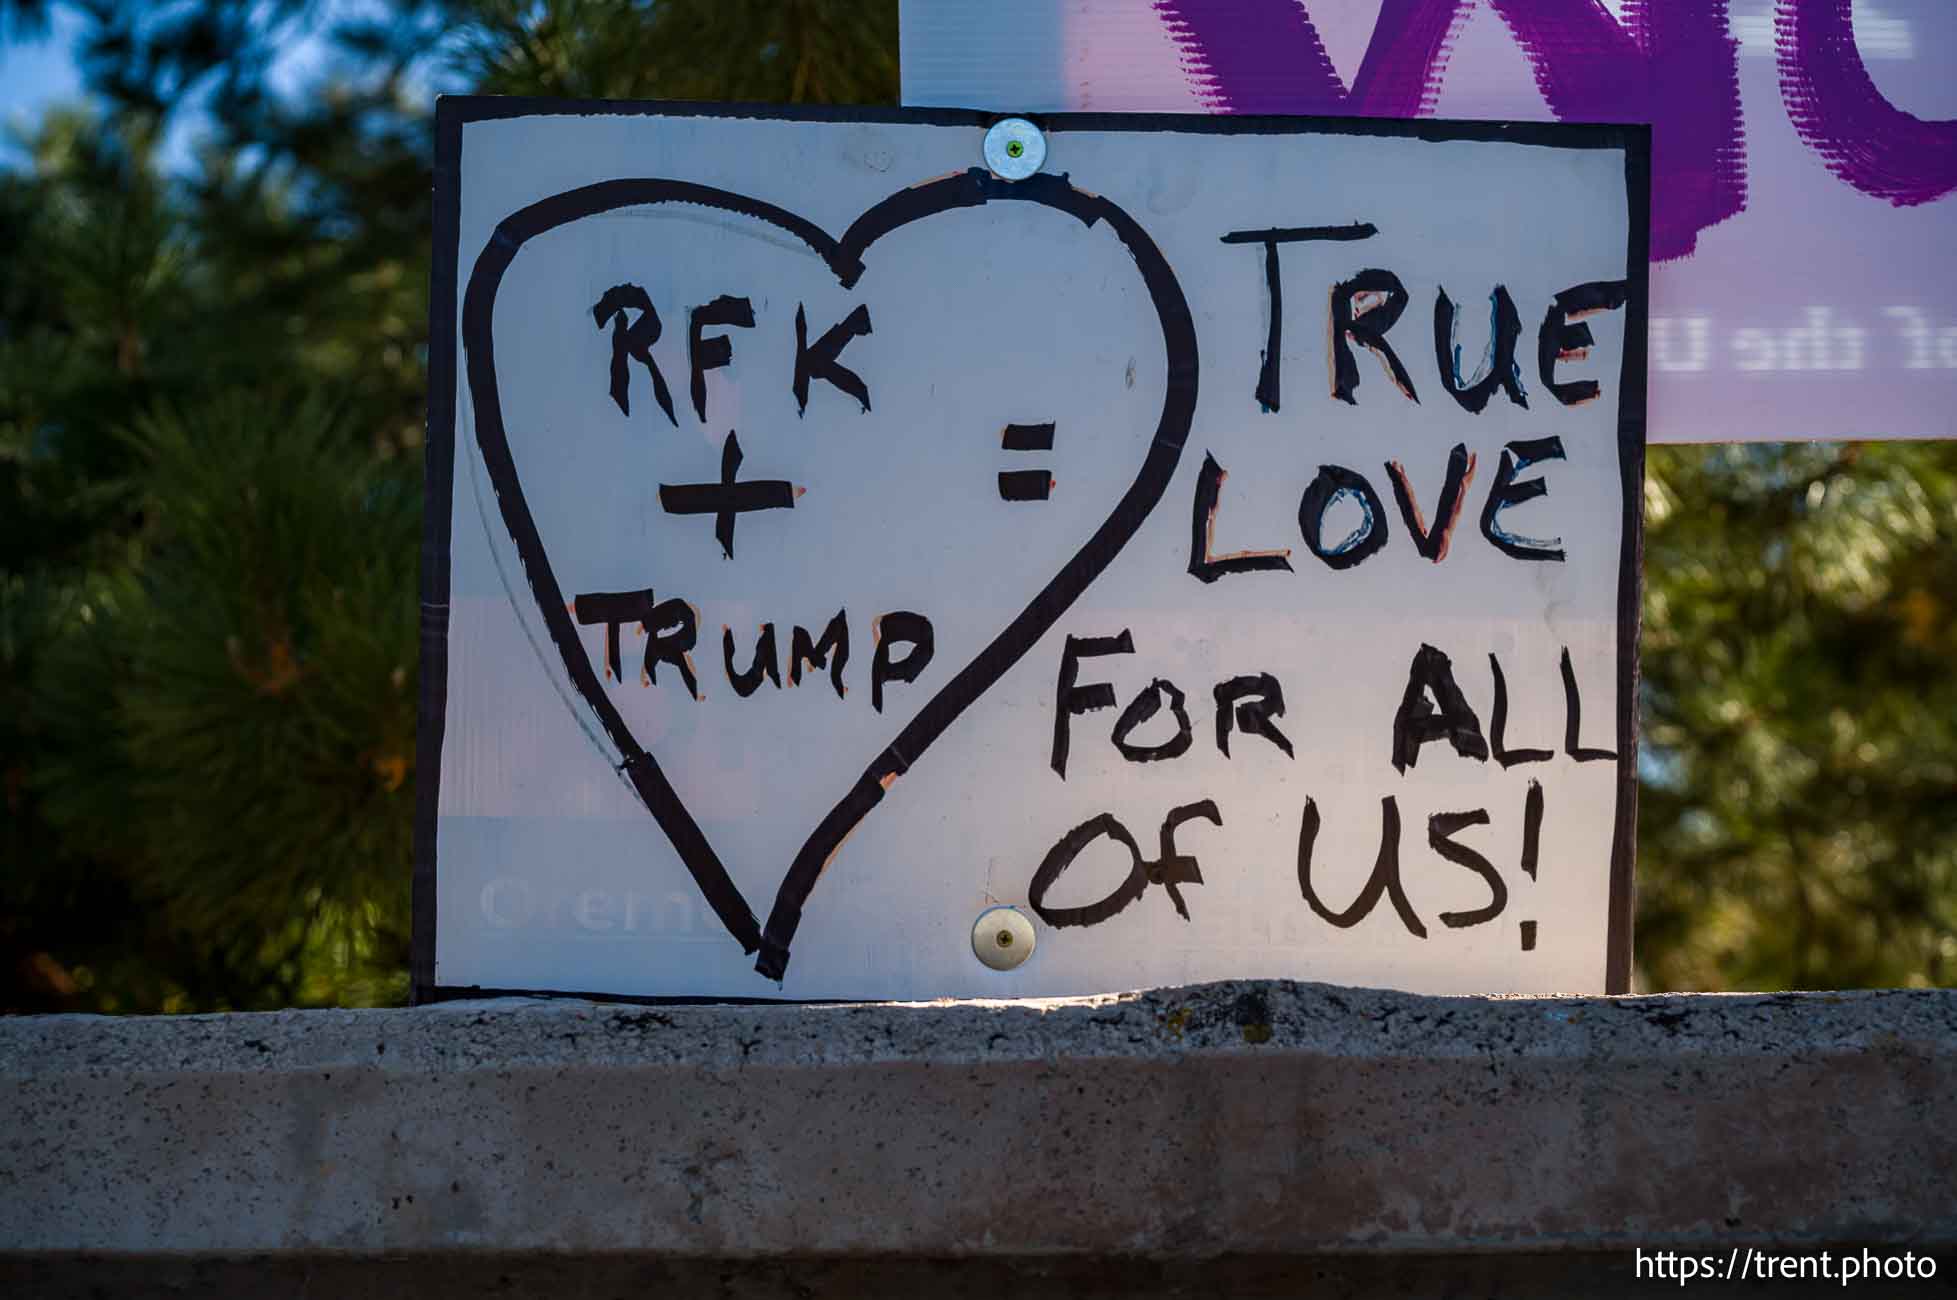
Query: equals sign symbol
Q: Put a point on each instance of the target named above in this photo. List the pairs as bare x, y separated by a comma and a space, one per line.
1026, 484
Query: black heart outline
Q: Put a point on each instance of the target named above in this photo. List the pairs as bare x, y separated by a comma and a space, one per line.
973, 188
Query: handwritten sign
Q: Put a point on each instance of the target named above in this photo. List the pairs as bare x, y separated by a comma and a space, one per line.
1218, 547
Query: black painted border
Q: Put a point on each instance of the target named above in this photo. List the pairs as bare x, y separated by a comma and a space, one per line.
1631, 408
454, 112
437, 506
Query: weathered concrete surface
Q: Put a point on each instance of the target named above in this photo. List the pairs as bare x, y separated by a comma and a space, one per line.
1249, 1122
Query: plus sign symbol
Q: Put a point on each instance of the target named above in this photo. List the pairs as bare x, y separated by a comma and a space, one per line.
729, 498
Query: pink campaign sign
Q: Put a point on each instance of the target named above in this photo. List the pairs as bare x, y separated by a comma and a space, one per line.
1803, 236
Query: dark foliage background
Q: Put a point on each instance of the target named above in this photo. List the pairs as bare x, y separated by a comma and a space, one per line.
211, 403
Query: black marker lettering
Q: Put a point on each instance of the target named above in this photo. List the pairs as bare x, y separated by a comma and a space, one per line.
1261, 700
1027, 437
763, 664
1498, 368
613, 609
1062, 855
1272, 362
1564, 336
1174, 868
1140, 710
1267, 373
672, 627
1573, 718
633, 343
1363, 309
1418, 721
832, 651
727, 498
712, 353
899, 627
1204, 564
1441, 829
1025, 484
1506, 492
1532, 829
1432, 543
1069, 699
1498, 727
1384, 880
1171, 870
819, 362
1332, 483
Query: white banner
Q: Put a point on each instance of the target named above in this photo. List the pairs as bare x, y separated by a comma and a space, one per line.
1804, 236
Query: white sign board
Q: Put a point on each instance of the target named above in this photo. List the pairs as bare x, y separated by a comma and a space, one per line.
1217, 548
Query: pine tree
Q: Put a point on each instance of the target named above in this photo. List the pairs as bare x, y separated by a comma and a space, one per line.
212, 393
1799, 812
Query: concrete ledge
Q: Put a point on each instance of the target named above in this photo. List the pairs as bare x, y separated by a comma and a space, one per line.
1244, 1121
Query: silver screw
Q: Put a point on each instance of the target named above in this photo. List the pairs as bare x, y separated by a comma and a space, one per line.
1014, 149
1002, 937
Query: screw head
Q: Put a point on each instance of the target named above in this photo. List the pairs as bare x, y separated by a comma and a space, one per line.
1014, 149
1002, 937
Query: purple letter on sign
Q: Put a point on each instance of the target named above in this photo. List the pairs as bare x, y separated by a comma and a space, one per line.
1264, 56
1671, 63
1864, 140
